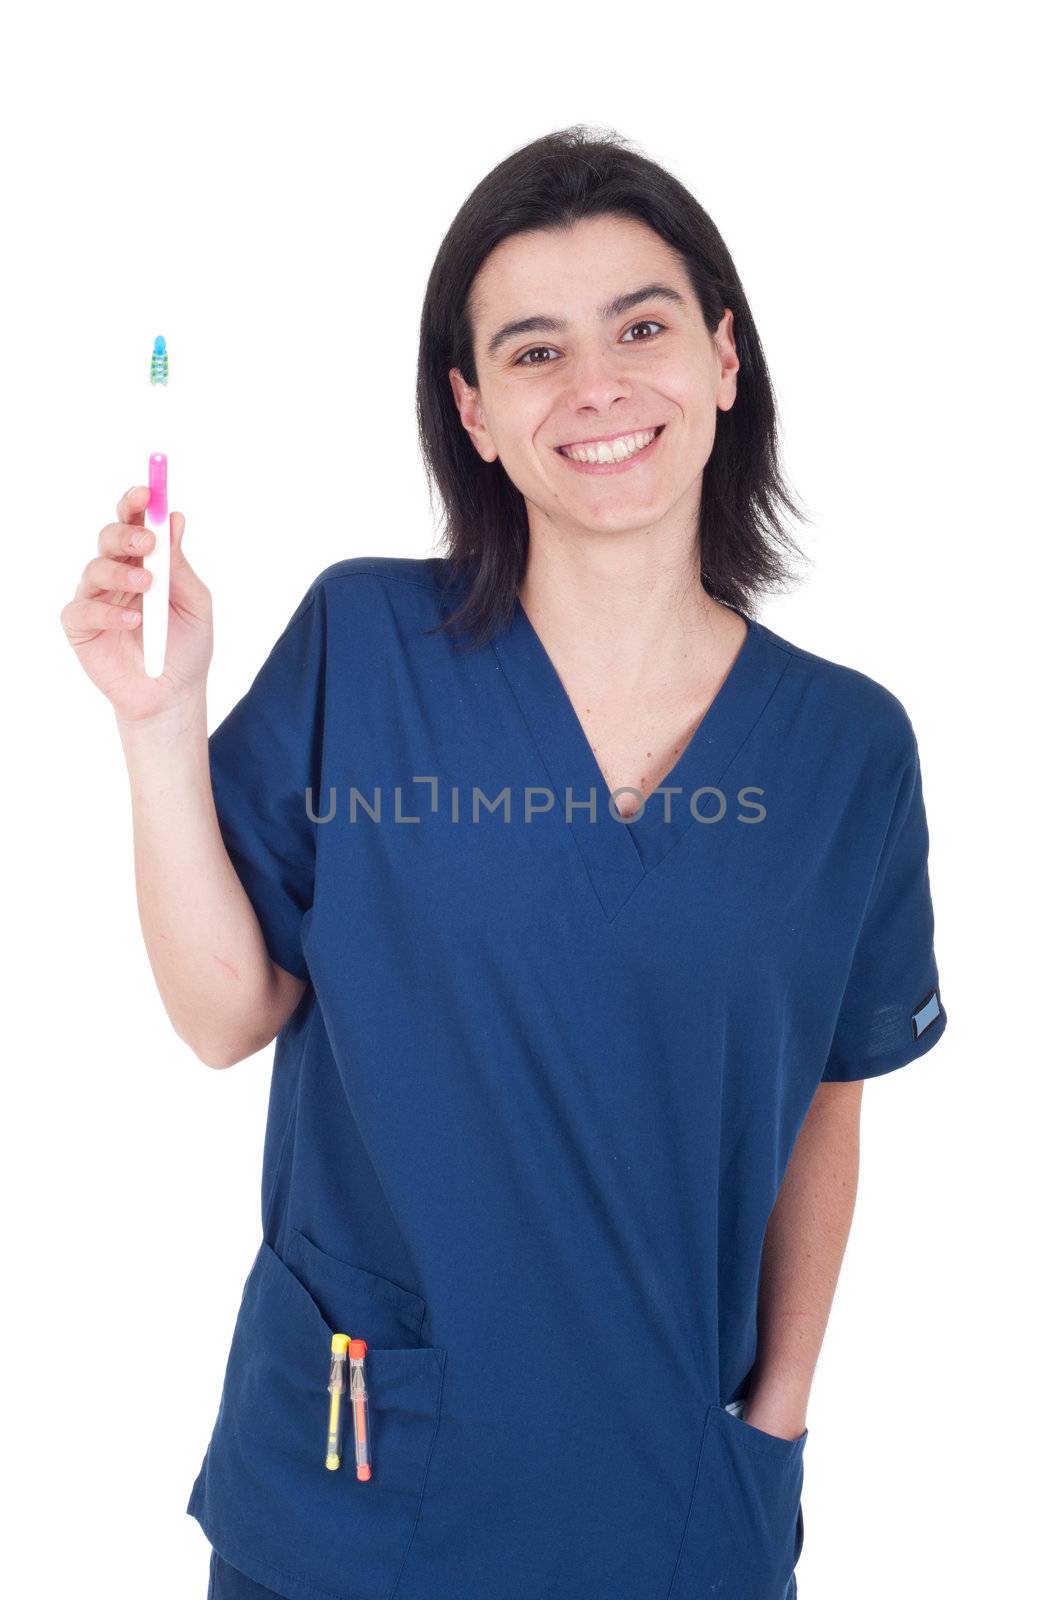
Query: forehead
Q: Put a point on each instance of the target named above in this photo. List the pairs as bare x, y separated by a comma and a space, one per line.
569, 271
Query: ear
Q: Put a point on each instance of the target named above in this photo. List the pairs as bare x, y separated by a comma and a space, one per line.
727, 353
467, 400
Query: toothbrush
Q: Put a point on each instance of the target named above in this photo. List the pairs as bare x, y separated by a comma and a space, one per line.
157, 517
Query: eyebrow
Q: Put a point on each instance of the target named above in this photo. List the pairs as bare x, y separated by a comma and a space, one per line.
615, 308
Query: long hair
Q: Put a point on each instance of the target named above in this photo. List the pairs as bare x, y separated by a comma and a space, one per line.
553, 183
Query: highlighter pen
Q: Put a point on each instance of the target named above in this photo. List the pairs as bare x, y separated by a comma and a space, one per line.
360, 1405
156, 597
336, 1385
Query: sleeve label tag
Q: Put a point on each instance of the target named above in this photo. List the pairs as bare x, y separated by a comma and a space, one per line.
925, 1013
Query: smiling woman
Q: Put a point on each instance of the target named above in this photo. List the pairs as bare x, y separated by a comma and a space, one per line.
582, 214
563, 1122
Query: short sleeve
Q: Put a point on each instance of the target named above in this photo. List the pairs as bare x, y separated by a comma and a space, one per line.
263, 757
891, 1011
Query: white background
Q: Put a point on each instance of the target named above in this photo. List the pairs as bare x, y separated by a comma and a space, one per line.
268, 186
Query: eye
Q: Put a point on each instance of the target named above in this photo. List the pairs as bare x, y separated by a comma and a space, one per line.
522, 361
645, 324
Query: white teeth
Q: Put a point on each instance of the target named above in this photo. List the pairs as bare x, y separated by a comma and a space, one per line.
613, 450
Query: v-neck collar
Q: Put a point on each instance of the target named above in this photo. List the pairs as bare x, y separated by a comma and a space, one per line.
619, 855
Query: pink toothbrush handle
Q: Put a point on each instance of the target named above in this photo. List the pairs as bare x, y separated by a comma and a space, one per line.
156, 601
157, 512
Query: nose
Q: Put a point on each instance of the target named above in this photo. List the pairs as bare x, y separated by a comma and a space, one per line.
597, 379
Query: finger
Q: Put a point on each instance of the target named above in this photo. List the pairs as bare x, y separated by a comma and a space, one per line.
133, 504
89, 616
102, 575
125, 540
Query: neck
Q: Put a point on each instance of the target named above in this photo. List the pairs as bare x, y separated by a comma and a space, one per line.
634, 622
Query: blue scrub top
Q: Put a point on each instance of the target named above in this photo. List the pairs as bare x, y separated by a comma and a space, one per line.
530, 1117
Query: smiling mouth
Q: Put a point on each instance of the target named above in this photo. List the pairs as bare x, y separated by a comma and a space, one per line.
608, 452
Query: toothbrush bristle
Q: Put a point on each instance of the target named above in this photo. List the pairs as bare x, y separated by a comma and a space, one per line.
160, 361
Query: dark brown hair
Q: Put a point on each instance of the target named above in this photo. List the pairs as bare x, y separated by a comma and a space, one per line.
553, 183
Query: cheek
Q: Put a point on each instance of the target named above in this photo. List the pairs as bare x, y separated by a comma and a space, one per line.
513, 412
524, 455
526, 431
695, 404
689, 385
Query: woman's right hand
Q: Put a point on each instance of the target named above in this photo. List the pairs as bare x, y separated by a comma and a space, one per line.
103, 620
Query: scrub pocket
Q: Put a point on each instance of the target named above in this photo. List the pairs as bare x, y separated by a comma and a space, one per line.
744, 1529
229, 1583
264, 1497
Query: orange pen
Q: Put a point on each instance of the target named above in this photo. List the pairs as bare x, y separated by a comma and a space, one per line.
360, 1405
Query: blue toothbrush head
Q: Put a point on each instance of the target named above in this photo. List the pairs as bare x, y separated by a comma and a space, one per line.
160, 361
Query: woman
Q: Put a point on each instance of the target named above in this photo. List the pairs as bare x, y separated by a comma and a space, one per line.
580, 904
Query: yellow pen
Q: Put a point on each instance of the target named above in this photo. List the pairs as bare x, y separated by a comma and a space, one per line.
340, 1341
360, 1405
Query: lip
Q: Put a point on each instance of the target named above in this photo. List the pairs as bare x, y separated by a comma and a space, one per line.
601, 467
